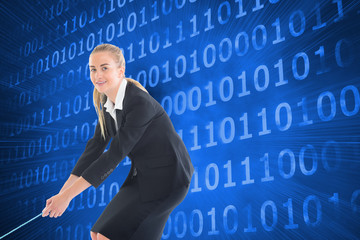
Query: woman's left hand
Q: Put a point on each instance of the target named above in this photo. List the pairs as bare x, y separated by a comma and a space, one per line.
56, 205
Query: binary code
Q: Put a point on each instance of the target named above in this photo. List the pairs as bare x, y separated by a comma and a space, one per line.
264, 94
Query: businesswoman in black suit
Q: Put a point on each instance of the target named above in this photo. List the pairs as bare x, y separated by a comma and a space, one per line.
139, 127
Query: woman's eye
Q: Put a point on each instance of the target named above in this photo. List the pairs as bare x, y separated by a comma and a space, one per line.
104, 68
92, 70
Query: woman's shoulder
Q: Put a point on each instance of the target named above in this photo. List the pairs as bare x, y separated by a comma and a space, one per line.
135, 85
135, 95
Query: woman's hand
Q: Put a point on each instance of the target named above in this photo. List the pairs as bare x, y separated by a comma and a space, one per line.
56, 205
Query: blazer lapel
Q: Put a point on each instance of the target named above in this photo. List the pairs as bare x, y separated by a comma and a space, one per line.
110, 124
119, 117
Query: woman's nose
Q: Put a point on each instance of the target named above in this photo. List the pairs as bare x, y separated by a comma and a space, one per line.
98, 75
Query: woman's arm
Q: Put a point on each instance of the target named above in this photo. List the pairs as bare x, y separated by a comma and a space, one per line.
76, 188
93, 150
69, 182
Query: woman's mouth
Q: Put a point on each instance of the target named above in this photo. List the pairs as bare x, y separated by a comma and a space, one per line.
100, 83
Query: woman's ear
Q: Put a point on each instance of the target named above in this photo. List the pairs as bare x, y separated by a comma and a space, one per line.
121, 72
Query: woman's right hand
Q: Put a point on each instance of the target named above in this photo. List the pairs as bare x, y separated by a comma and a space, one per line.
56, 205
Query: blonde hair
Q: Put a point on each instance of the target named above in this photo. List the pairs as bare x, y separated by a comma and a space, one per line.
99, 98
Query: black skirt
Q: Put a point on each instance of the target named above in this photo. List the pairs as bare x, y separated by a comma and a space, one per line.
127, 217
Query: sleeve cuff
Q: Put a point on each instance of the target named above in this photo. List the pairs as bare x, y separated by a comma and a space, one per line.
91, 179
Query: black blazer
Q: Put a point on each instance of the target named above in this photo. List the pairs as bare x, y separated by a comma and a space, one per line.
145, 134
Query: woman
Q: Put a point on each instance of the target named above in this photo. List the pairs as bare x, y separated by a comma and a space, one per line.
161, 168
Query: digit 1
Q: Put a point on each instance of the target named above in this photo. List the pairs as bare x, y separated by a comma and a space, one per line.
318, 18
262, 114
229, 183
210, 127
340, 10
246, 135
131, 58
209, 24
306, 120
213, 223
278, 39
258, 6
280, 66
181, 37
291, 224
156, 15
81, 205
196, 146
241, 9
323, 68
210, 88
102, 202
196, 187
195, 32
244, 92
250, 227
335, 199
142, 47
167, 37
143, 21
246, 162
267, 177
166, 68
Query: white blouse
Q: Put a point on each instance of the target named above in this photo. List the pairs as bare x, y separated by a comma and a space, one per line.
109, 105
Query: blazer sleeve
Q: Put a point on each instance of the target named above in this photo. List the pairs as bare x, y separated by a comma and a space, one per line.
94, 148
138, 116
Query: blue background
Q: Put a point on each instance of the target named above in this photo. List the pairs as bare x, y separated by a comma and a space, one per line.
265, 95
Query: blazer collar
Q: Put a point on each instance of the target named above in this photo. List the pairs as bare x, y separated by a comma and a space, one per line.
109, 121
119, 99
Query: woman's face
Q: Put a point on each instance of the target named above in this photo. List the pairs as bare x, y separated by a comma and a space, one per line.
105, 73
